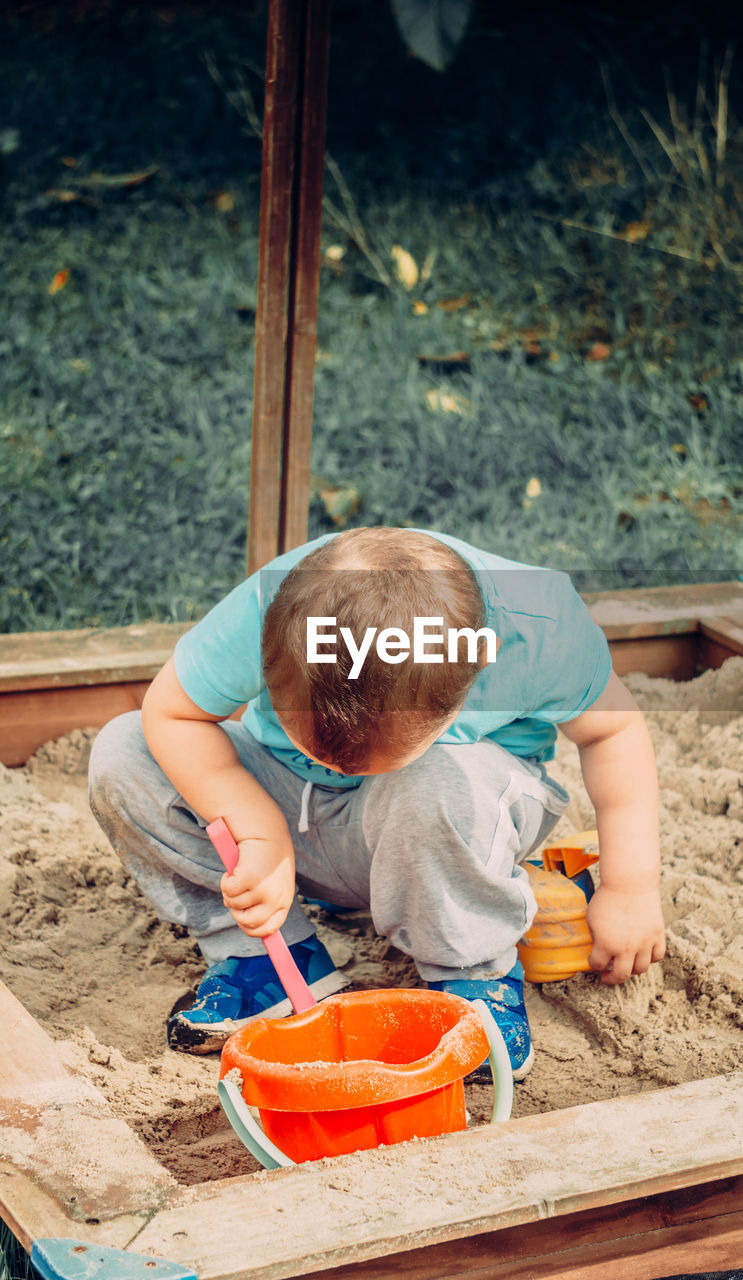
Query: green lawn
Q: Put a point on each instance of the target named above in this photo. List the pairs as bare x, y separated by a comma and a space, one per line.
14, 1263
595, 421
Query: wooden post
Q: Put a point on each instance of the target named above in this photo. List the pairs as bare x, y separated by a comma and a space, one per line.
286, 320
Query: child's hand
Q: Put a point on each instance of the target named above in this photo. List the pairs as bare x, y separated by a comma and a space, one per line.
628, 932
260, 891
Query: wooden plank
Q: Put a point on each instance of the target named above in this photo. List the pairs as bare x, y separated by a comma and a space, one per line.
274, 262
663, 1253
58, 1131
379, 1203
34, 717
289, 254
674, 657
663, 610
84, 678
32, 1213
724, 632
711, 654
628, 1251
304, 278
57, 659
707, 1208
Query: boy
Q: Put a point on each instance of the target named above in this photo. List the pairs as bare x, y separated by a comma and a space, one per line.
403, 690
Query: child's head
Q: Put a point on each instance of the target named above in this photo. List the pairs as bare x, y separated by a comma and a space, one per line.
392, 710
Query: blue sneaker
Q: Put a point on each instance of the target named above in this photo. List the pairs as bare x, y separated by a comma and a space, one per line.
505, 1000
237, 990
331, 908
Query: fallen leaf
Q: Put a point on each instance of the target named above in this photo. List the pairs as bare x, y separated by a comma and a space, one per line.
680, 448
599, 351
59, 280
446, 402
64, 195
70, 161
635, 231
455, 362
81, 365
454, 304
698, 402
224, 202
533, 488
133, 179
335, 252
708, 513
340, 501
420, 308
406, 268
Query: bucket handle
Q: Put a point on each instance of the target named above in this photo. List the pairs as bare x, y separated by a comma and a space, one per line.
271, 1157
247, 1128
500, 1065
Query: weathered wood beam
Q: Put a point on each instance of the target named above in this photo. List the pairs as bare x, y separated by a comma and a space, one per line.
61, 1141
303, 288
54, 681
387, 1202
288, 270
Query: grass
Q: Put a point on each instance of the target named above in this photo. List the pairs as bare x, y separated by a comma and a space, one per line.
14, 1261
580, 249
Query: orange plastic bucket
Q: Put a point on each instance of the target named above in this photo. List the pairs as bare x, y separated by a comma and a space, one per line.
359, 1070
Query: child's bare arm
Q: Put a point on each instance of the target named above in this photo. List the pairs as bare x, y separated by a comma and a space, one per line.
618, 764
201, 762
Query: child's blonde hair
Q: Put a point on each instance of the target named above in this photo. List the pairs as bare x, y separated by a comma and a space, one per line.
378, 577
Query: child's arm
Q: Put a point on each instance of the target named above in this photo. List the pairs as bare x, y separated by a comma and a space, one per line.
618, 763
201, 762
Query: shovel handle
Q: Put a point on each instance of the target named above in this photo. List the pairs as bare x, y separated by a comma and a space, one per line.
279, 954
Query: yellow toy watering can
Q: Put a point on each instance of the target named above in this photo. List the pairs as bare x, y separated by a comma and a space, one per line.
559, 942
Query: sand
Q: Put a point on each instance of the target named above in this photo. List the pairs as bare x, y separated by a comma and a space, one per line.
82, 950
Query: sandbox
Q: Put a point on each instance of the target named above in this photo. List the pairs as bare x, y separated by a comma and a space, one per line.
83, 953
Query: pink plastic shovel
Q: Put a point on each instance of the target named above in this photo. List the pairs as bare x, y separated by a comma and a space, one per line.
281, 957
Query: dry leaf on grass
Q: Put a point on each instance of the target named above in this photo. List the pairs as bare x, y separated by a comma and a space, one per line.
453, 362
59, 280
446, 402
454, 304
406, 267
340, 501
635, 231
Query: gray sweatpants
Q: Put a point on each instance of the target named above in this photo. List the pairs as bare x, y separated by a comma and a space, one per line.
432, 849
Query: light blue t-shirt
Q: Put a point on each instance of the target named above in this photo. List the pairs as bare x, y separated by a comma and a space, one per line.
553, 661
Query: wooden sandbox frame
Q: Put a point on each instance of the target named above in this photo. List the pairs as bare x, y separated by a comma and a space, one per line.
638, 1187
